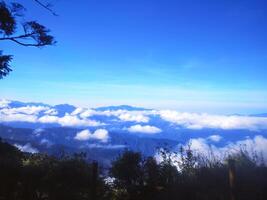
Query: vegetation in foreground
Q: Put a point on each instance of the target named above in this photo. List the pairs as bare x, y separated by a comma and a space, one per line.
131, 177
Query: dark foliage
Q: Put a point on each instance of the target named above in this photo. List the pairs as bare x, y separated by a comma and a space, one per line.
36, 176
197, 178
7, 20
30, 34
4, 64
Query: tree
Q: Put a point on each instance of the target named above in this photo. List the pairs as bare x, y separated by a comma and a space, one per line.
128, 174
10, 170
24, 33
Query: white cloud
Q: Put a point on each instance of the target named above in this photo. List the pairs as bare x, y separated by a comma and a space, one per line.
83, 135
144, 129
77, 111
30, 114
99, 134
21, 114
106, 146
69, 120
26, 148
4, 103
87, 113
46, 142
37, 132
80, 117
29, 110
48, 119
123, 115
257, 144
215, 138
201, 146
133, 117
17, 118
51, 111
109, 113
200, 121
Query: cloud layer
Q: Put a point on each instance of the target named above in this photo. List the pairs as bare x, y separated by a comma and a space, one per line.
200, 121
84, 117
42, 114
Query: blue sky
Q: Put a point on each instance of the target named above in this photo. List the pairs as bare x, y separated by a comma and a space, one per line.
195, 55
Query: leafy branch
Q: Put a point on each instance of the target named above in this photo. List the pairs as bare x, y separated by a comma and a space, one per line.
34, 34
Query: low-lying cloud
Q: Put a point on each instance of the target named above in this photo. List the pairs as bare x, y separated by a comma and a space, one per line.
215, 138
26, 148
69, 120
28, 110
31, 114
99, 134
200, 121
105, 146
144, 129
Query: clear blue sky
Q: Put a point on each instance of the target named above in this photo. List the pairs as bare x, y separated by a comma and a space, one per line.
190, 55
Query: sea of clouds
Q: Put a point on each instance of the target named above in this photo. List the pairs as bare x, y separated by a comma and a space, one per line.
85, 118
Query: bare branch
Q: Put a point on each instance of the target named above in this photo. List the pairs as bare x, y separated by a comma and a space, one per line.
46, 7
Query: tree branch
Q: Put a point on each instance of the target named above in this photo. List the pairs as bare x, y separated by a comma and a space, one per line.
15, 39
46, 7
26, 44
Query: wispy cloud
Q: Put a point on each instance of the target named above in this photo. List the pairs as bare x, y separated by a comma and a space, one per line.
26, 148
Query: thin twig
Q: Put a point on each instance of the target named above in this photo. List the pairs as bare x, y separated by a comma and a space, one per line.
46, 7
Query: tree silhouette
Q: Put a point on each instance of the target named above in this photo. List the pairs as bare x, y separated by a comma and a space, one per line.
10, 169
28, 34
25, 176
128, 174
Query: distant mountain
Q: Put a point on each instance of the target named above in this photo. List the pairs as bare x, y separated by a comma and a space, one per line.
121, 107
260, 115
62, 109
17, 104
